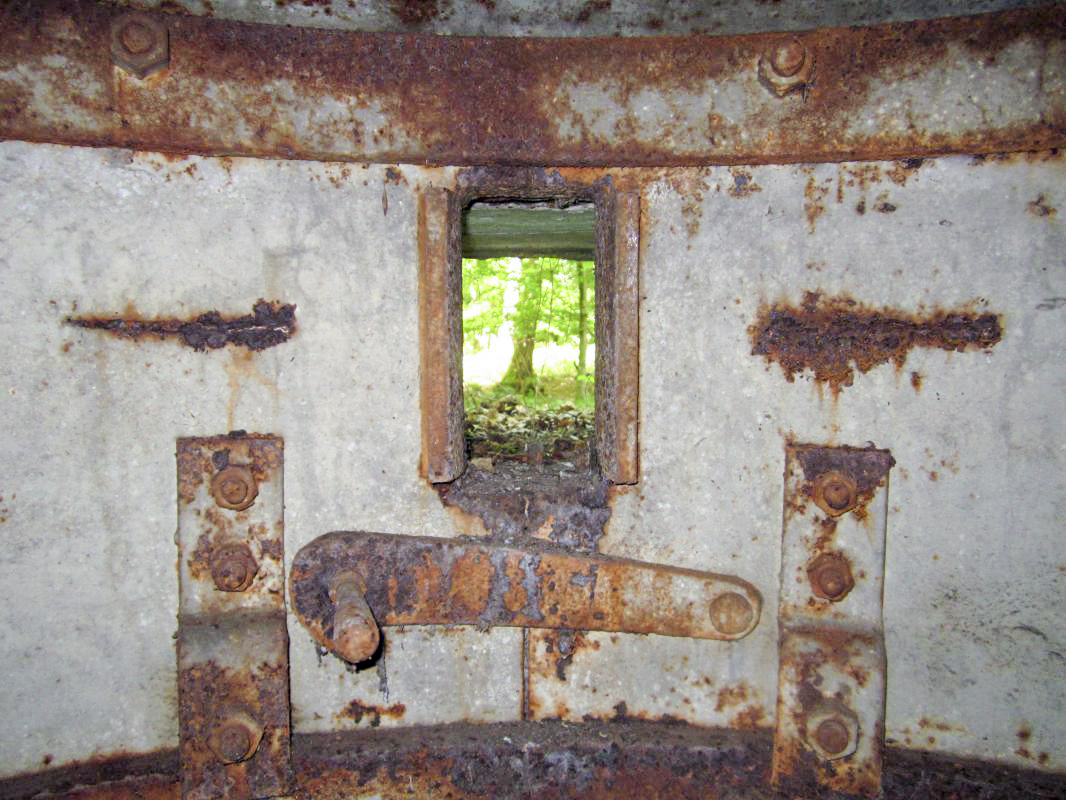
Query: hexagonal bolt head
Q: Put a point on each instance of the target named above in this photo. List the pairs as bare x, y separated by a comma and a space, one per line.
835, 493
787, 67
140, 43
235, 737
731, 613
233, 567
832, 732
234, 488
830, 577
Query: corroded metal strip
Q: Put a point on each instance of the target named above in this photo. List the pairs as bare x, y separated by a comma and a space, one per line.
425, 581
233, 695
831, 680
269, 324
618, 352
835, 336
975, 84
440, 321
546, 759
233, 665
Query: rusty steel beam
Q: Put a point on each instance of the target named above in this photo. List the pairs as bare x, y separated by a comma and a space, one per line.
414, 580
71, 72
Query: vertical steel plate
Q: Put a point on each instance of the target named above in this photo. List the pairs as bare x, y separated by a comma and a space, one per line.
233, 667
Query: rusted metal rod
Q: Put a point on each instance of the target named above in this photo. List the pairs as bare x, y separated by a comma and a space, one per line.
355, 631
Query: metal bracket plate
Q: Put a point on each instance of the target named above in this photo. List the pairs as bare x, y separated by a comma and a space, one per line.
831, 679
233, 667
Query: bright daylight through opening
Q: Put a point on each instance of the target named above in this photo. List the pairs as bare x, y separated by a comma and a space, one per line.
529, 322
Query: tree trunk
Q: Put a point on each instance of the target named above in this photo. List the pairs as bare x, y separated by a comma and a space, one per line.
582, 331
519, 375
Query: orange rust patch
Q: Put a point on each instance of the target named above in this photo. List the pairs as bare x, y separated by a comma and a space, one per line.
374, 714
814, 196
731, 696
748, 718
471, 581
516, 596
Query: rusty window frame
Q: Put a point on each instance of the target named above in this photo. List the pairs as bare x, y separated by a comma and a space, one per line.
440, 314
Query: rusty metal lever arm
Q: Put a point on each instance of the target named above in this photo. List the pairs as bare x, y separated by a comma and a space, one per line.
413, 580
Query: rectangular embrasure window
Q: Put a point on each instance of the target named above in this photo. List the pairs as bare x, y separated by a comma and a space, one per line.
520, 214
529, 312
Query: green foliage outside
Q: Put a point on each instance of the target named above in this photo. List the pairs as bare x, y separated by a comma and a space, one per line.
540, 301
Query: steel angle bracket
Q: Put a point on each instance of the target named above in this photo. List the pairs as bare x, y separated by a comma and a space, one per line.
416, 580
831, 675
233, 659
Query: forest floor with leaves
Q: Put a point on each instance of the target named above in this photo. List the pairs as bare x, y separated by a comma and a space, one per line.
544, 425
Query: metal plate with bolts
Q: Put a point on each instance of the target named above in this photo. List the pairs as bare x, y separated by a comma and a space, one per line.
831, 679
216, 86
233, 663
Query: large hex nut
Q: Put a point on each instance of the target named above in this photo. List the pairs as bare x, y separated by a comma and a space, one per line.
140, 43
835, 493
235, 488
832, 731
787, 67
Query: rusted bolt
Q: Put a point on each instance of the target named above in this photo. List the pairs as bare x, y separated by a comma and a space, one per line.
355, 631
140, 43
832, 735
234, 488
788, 57
833, 731
235, 737
835, 493
788, 66
830, 577
233, 567
731, 613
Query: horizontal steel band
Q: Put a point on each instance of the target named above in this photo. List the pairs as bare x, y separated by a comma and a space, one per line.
985, 83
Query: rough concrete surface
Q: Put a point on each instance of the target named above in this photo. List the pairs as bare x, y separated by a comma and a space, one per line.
974, 577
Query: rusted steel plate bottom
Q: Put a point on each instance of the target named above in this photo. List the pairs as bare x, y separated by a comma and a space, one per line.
543, 760
425, 581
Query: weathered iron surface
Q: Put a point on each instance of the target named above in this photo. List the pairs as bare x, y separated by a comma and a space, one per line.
834, 336
425, 581
268, 325
233, 706
623, 758
233, 660
440, 328
831, 678
554, 501
618, 336
977, 84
